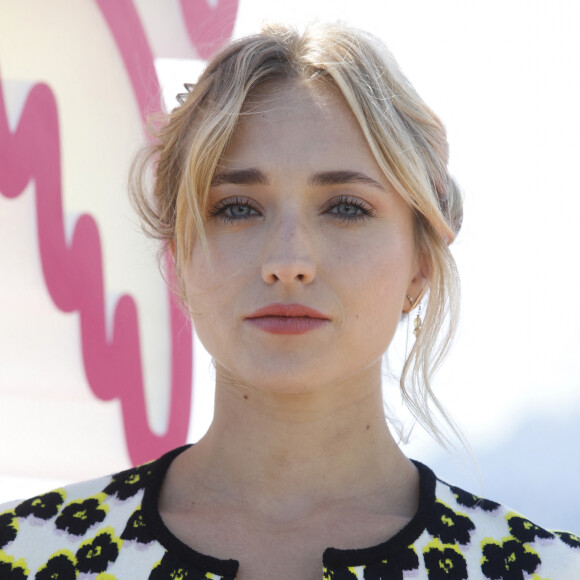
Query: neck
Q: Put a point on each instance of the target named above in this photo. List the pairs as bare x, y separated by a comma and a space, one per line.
290, 453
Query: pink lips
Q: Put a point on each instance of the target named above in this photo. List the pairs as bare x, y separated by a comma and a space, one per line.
287, 319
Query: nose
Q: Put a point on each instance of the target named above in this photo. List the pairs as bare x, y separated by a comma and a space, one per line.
288, 255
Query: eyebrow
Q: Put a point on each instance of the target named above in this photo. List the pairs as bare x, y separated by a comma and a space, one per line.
249, 176
254, 176
343, 176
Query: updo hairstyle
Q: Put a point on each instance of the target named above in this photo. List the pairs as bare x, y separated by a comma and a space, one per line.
407, 139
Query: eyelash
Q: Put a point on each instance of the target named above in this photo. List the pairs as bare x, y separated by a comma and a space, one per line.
219, 209
365, 211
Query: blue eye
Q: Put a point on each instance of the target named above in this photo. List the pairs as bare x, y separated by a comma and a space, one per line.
349, 209
239, 211
234, 209
345, 209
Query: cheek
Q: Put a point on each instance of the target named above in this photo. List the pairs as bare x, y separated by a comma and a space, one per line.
207, 273
384, 267
379, 286
205, 300
213, 284
203, 286
393, 275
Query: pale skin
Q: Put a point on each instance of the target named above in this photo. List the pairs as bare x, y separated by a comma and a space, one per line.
299, 456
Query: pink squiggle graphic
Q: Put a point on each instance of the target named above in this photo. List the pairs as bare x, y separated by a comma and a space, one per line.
209, 27
74, 279
74, 274
125, 26
123, 22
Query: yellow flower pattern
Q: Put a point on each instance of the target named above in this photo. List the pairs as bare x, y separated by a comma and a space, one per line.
110, 529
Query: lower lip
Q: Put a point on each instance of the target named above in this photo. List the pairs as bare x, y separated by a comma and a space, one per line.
287, 324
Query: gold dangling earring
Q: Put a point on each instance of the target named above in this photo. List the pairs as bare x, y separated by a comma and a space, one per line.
418, 322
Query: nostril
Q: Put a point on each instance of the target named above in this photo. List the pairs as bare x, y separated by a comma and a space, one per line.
289, 271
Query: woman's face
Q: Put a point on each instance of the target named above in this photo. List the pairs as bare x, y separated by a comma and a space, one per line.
311, 251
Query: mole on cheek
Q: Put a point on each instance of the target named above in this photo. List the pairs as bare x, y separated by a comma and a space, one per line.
246, 397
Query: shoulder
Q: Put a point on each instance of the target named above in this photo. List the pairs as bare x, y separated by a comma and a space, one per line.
492, 539
66, 528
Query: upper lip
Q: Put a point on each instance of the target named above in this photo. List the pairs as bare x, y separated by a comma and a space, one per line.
288, 311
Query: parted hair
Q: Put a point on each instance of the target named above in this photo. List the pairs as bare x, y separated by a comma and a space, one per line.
406, 138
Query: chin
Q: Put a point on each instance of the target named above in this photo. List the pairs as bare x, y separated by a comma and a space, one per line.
280, 379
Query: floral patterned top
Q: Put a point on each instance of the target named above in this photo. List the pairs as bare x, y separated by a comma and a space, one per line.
109, 528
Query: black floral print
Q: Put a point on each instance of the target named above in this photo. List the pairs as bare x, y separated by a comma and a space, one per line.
43, 506
444, 562
136, 529
61, 566
109, 528
171, 569
338, 574
469, 500
78, 516
449, 525
393, 568
95, 555
571, 539
8, 528
508, 560
524, 530
127, 483
11, 569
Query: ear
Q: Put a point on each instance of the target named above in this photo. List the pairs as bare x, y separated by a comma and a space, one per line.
416, 288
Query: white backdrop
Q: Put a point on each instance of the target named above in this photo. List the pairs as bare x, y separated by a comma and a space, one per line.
503, 76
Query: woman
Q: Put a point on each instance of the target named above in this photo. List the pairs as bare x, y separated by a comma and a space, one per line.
302, 189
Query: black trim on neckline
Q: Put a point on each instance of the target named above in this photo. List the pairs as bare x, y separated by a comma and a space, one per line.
334, 557
158, 529
331, 558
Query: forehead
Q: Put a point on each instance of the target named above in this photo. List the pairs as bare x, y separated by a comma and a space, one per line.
308, 122
287, 95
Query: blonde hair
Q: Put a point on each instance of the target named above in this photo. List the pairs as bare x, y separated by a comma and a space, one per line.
406, 138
